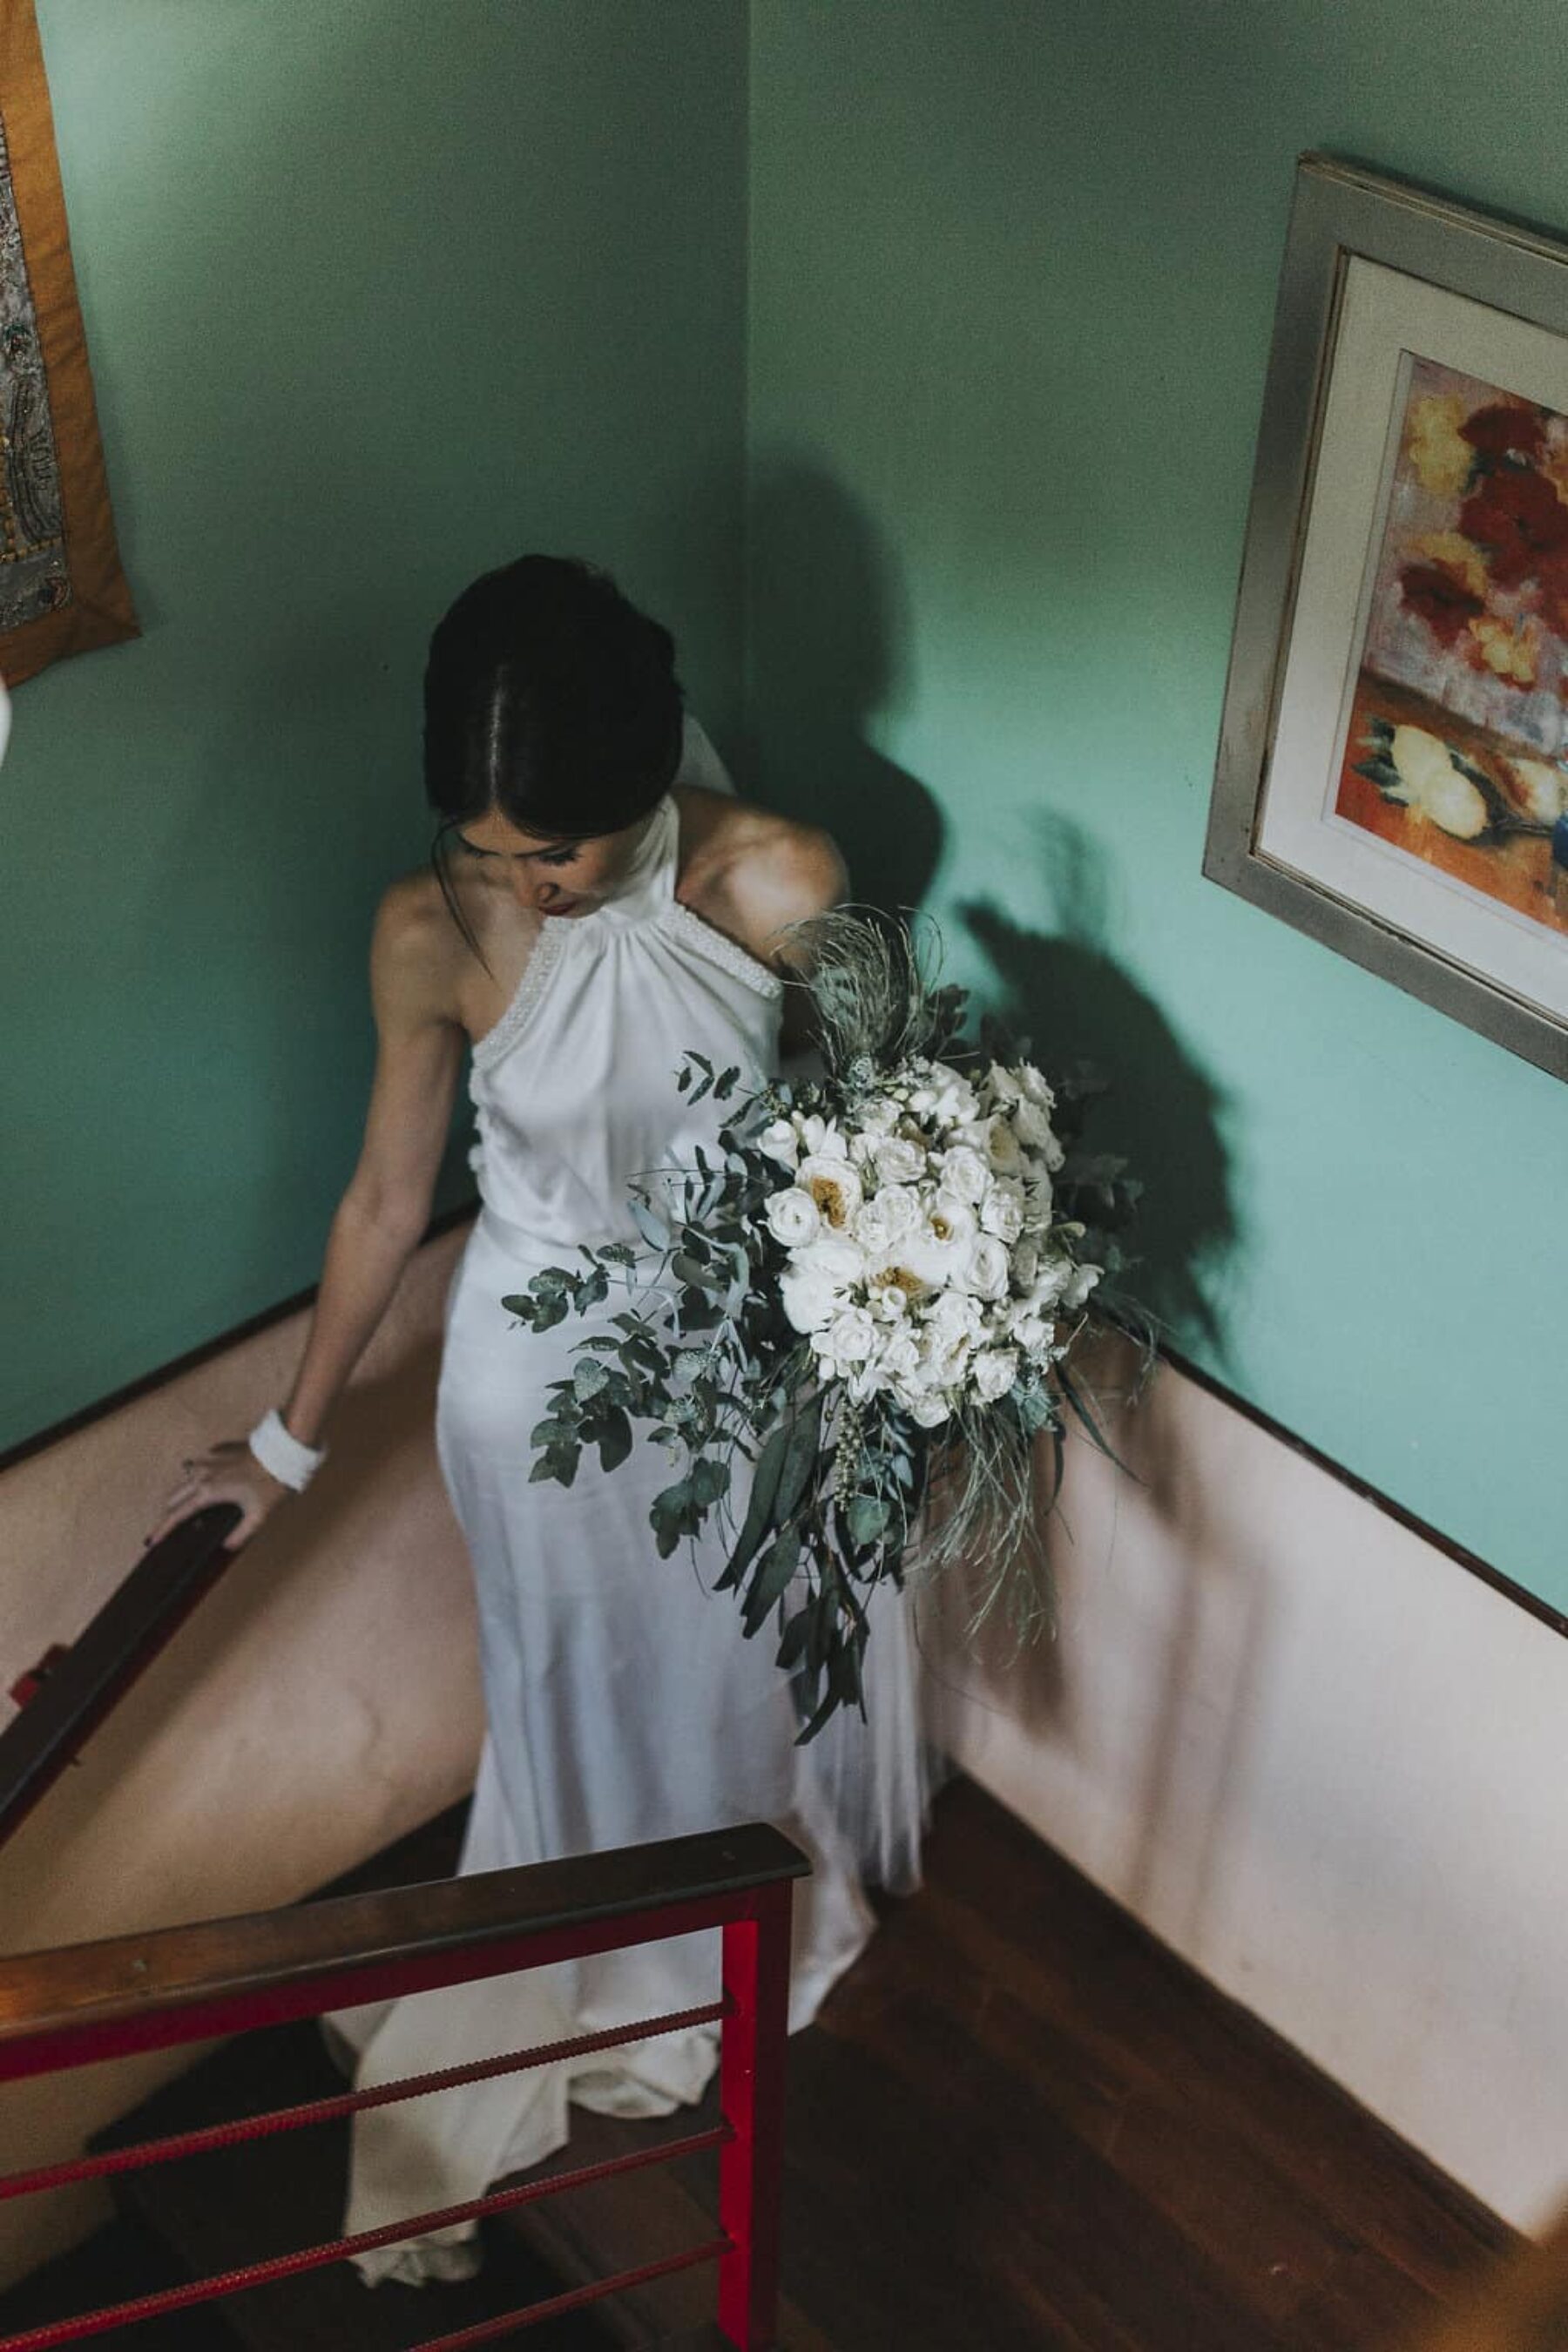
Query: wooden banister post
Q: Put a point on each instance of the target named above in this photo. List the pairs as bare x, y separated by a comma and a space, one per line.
752, 2086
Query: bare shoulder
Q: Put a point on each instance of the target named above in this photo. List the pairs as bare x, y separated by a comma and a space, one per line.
755, 872
414, 962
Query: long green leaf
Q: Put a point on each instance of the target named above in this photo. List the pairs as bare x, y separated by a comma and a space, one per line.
775, 1570
759, 1516
800, 1459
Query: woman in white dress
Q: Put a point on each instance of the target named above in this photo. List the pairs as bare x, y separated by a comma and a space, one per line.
599, 904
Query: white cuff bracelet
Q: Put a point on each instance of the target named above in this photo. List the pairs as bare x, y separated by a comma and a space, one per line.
281, 1452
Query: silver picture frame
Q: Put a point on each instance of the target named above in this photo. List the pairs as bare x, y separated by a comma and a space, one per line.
1378, 237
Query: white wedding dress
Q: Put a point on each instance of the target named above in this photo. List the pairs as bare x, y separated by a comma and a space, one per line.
623, 1703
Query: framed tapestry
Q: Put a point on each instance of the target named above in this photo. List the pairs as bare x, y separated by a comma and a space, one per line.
61, 588
1392, 772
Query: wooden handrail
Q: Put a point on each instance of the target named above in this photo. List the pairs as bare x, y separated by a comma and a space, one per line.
1522, 2307
70, 2006
75, 1692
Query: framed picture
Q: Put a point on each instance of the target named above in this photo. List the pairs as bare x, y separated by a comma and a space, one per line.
1392, 772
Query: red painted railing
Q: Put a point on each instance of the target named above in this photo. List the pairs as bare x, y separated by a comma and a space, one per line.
66, 1695
87, 2002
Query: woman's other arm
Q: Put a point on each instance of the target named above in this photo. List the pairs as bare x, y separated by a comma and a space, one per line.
383, 1214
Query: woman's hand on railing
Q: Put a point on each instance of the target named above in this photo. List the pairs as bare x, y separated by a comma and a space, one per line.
228, 1472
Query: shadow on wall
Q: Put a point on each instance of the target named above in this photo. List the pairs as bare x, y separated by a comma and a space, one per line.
1067, 992
827, 609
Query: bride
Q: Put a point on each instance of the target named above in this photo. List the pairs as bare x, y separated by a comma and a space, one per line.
598, 904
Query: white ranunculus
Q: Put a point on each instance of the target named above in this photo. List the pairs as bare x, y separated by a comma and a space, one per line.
781, 1142
963, 1172
937, 1251
993, 1371
950, 1222
889, 1300
988, 1267
1002, 1210
793, 1217
897, 1160
834, 1186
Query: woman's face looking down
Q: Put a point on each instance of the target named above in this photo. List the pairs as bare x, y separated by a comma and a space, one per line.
551, 877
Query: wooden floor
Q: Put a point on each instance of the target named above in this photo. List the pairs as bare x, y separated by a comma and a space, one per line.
1020, 2123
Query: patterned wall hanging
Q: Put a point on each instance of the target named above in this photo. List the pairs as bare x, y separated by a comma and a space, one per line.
61, 588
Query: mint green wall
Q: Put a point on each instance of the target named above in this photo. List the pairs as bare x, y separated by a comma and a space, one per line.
1012, 278
378, 292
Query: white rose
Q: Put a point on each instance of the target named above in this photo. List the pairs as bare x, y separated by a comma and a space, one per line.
819, 1135
1002, 1212
880, 1117
888, 1218
1001, 1147
954, 1315
993, 1371
1032, 1128
964, 1173
1034, 1085
833, 1186
780, 1142
1039, 1205
1003, 1084
988, 1267
816, 1284
928, 1407
1031, 1332
809, 1298
850, 1337
793, 1217
899, 1357
944, 1095
897, 1160
1050, 1280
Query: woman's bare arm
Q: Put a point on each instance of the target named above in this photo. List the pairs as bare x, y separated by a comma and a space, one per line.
384, 1212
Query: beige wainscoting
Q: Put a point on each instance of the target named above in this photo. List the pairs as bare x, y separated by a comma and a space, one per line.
322, 1701
1321, 1760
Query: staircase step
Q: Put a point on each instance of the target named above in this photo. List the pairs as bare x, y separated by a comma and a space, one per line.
622, 2223
270, 2195
117, 2263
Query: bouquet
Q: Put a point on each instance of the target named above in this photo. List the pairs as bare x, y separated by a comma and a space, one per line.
868, 1293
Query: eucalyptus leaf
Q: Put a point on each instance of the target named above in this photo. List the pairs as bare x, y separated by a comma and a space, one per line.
775, 1573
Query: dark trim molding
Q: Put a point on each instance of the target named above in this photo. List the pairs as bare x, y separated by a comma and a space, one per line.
163, 1373
1540, 1609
